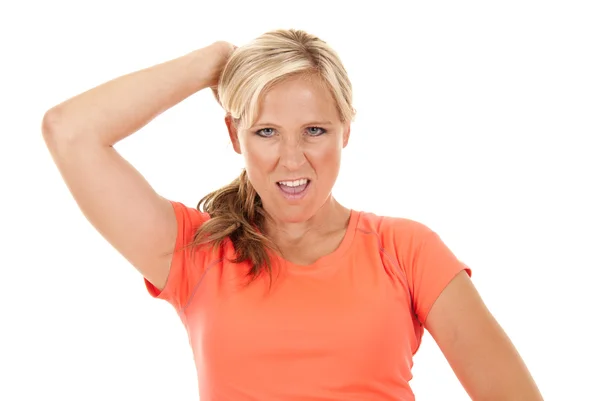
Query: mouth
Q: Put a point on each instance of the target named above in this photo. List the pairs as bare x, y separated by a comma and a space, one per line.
295, 189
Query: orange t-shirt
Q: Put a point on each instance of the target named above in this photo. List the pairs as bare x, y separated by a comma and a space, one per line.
344, 328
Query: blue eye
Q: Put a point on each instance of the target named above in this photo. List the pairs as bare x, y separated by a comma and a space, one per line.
316, 131
265, 132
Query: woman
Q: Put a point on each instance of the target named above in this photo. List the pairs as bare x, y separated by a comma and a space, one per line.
286, 294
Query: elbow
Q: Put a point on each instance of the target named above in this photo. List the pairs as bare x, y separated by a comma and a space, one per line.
52, 125
55, 130
50, 122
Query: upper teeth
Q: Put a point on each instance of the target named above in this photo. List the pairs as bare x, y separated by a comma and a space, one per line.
294, 183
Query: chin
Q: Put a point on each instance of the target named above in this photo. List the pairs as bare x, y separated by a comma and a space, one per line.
293, 213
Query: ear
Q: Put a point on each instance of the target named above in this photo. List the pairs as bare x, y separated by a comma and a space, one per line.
346, 136
233, 134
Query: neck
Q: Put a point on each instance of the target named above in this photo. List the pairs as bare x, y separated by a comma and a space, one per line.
330, 218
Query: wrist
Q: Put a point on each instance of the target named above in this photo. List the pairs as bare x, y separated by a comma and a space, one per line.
197, 69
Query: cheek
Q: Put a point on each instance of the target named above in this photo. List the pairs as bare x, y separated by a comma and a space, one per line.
258, 156
325, 159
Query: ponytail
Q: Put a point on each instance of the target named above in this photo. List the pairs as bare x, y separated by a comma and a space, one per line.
237, 213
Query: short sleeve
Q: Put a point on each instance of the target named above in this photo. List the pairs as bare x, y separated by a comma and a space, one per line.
184, 272
432, 266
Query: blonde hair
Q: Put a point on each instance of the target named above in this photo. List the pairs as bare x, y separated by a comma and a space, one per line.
236, 210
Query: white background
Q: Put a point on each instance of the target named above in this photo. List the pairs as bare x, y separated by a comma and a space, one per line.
479, 119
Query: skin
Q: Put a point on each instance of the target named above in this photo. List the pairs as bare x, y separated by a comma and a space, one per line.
476, 347
80, 134
283, 144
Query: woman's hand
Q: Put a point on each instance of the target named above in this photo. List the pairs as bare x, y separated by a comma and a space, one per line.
216, 56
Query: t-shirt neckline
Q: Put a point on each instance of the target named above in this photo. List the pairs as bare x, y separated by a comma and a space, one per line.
331, 258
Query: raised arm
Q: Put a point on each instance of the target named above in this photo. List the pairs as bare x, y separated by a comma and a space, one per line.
111, 193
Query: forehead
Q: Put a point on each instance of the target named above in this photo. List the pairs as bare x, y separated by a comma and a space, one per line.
296, 101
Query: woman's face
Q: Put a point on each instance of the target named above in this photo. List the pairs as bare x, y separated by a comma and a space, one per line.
293, 150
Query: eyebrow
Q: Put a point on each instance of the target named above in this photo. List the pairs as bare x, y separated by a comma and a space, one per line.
309, 124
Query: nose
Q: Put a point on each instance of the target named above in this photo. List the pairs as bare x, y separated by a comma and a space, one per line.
292, 154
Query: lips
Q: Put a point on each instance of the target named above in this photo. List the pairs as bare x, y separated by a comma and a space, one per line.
294, 189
